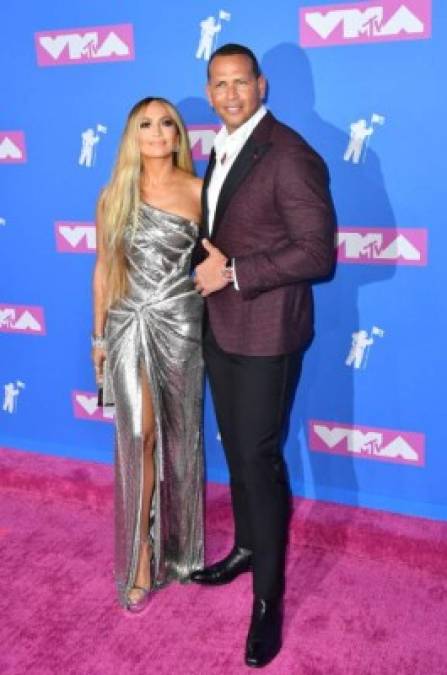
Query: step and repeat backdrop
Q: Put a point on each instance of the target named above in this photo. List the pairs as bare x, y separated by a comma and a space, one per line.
362, 82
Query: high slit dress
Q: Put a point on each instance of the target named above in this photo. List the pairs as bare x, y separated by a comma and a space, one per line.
155, 332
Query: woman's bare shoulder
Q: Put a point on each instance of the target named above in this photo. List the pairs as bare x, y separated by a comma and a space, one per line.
188, 178
190, 184
196, 185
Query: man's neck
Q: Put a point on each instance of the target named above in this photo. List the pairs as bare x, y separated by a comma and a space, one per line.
230, 132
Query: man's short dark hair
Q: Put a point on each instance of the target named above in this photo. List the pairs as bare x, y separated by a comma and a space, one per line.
231, 49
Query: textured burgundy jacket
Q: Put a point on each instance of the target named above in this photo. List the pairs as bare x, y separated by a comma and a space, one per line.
275, 217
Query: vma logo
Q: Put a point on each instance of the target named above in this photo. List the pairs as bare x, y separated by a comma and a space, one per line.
85, 407
201, 139
381, 246
22, 319
386, 445
85, 45
362, 22
12, 147
75, 237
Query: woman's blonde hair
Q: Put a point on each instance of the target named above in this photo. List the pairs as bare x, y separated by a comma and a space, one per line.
119, 201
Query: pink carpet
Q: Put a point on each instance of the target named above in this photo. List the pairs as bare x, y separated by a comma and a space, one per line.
366, 594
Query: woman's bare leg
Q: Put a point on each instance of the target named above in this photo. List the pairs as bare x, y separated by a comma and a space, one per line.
142, 577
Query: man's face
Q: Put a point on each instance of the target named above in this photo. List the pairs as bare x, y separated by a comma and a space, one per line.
233, 90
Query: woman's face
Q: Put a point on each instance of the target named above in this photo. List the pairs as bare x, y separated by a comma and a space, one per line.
157, 134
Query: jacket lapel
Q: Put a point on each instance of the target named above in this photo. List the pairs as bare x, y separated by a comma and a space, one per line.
254, 149
206, 182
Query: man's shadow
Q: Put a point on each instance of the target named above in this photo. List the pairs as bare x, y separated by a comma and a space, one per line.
327, 386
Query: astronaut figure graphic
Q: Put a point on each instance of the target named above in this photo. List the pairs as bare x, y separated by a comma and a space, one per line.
89, 140
209, 28
359, 133
361, 343
12, 391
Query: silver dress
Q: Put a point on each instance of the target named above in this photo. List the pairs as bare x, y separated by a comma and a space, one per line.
155, 331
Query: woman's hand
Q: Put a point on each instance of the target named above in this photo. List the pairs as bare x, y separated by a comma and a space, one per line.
98, 358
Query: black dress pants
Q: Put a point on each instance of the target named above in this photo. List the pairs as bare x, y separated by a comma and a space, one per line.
251, 397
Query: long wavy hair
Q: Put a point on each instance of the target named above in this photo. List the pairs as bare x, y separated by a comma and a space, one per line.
120, 198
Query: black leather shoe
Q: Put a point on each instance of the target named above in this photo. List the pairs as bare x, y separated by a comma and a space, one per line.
264, 636
237, 562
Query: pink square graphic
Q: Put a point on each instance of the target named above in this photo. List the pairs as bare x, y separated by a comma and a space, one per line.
24, 319
85, 407
12, 147
95, 44
201, 138
384, 445
382, 246
364, 22
75, 237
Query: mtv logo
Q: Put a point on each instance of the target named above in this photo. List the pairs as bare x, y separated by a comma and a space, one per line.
97, 44
201, 139
12, 147
75, 237
382, 246
363, 22
85, 406
385, 445
22, 319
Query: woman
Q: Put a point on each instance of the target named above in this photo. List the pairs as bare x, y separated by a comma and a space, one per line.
147, 350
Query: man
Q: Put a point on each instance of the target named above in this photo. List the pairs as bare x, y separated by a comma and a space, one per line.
268, 231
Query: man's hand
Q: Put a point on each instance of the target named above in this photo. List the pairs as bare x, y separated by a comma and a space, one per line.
210, 274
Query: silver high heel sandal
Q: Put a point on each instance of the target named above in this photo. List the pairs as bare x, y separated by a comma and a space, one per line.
135, 606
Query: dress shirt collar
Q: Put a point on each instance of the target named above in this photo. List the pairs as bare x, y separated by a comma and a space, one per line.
230, 144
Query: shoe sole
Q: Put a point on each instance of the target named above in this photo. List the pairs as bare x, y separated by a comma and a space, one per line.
264, 663
202, 582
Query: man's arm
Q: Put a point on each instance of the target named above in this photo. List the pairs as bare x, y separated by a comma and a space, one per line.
304, 202
198, 253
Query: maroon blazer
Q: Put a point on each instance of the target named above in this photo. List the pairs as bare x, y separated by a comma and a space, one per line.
275, 217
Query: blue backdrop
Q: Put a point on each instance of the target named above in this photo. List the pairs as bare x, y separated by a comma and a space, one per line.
363, 83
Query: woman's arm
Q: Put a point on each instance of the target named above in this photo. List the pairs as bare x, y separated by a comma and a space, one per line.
99, 296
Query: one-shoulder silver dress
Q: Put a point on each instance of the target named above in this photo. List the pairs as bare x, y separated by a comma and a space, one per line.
156, 330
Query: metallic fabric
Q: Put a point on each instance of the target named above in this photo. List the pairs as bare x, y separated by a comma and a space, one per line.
155, 332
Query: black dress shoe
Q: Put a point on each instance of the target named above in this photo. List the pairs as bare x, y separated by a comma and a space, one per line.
237, 562
264, 636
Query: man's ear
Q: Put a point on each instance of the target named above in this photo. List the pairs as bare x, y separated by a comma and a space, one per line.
208, 94
262, 86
